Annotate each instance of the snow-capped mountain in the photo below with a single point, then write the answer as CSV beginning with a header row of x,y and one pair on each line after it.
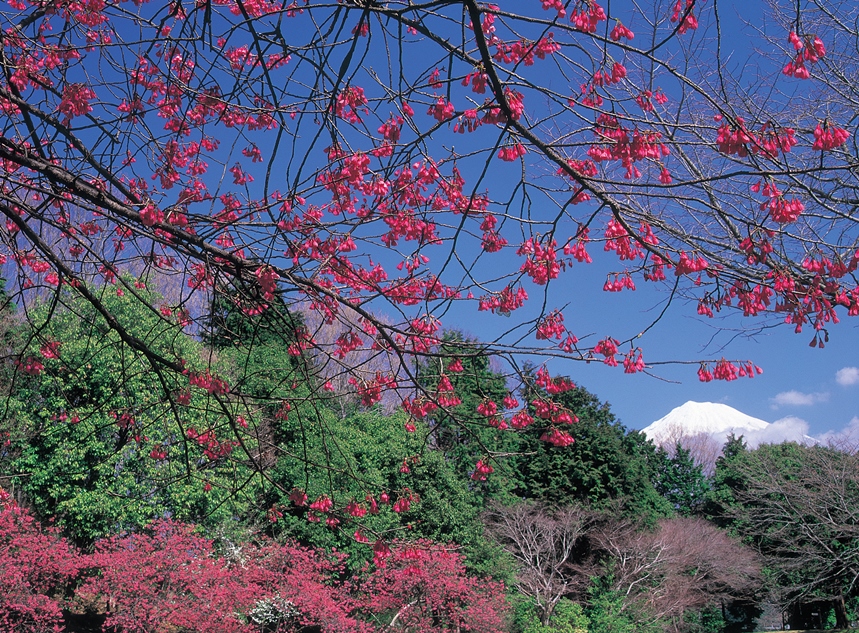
x,y
710,418
703,427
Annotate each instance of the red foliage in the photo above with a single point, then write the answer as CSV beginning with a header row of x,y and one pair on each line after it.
x,y
166,577
171,577
35,565
425,587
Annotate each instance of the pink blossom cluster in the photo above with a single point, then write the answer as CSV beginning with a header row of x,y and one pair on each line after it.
x,y
828,137
689,21
807,49
587,15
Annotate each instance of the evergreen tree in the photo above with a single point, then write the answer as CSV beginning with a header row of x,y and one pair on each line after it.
x,y
681,481
606,464
236,321
474,383
727,480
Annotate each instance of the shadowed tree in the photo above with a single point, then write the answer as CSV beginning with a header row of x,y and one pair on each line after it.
x,y
681,481
799,505
605,464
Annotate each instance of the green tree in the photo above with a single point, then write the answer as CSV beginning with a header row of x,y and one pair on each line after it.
x,y
101,441
567,617
608,611
798,506
352,461
606,463
461,432
727,480
355,460
681,481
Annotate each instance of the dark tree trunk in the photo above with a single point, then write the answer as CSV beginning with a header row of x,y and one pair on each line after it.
x,y
840,612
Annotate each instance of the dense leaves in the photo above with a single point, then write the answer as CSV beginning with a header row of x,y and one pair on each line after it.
x,y
606,463
681,481
798,506
101,453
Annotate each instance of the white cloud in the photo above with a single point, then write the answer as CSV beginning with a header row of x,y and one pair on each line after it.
x,y
797,399
848,436
847,376
788,429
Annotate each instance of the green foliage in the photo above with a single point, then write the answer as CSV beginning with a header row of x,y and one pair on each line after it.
x,y
726,480
227,325
608,611
84,433
348,459
681,481
605,609
604,465
465,436
707,620
567,617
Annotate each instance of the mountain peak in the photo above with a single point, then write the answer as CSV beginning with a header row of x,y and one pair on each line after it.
x,y
710,418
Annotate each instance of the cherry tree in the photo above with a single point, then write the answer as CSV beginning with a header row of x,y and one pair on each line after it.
x,y
415,160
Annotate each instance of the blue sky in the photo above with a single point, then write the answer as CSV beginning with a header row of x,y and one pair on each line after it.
x,y
819,387
812,390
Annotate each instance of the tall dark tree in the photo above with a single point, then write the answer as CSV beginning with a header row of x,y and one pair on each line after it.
x,y
234,320
726,482
799,505
606,463
472,427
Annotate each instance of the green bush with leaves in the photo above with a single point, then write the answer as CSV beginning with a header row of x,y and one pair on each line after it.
x,y
351,460
101,440
608,611
567,617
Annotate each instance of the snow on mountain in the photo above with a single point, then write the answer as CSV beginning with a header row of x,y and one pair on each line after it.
x,y
711,423
703,417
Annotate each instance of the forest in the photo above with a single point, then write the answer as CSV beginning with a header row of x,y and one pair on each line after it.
x,y
244,246
117,514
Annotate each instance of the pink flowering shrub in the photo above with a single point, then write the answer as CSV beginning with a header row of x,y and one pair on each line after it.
x,y
169,579
36,565
423,587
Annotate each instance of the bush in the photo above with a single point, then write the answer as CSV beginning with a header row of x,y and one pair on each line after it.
x,y
567,617
168,578
36,568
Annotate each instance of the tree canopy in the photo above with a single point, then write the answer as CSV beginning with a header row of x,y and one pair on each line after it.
x,y
236,231
798,506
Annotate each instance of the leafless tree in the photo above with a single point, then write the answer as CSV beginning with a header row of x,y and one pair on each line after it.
x,y
684,564
800,506
703,447
547,546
